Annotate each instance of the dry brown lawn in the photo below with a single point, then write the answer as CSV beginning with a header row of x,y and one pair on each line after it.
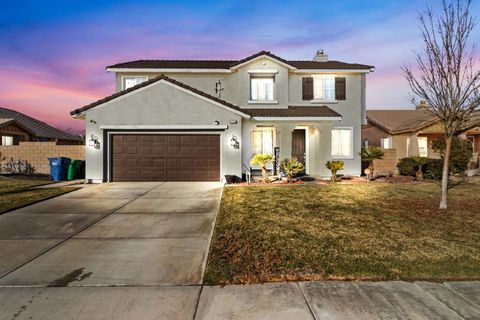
x,y
376,231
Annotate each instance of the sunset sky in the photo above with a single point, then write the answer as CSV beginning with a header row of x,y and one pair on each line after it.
x,y
53,54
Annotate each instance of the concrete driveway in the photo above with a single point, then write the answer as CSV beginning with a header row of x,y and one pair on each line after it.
x,y
117,234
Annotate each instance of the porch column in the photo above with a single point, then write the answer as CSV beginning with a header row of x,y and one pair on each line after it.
x,y
413,150
320,148
284,140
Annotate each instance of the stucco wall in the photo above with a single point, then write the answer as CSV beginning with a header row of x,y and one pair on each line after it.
x,y
161,104
37,153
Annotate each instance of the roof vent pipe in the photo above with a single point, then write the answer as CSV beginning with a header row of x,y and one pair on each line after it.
x,y
320,56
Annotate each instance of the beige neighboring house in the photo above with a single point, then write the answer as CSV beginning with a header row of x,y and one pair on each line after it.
x,y
194,120
16,127
26,139
411,132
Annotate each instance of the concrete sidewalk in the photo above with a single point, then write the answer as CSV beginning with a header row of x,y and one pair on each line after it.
x,y
304,300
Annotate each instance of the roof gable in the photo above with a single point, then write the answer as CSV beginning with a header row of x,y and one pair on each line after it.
x,y
184,87
262,55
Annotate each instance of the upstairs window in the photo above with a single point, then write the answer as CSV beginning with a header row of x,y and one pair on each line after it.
x,y
261,88
324,87
129,82
342,143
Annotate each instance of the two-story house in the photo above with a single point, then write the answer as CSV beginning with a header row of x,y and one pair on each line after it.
x,y
187,120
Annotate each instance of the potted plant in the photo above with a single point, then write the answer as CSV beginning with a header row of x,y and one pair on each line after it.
x,y
291,167
334,166
262,159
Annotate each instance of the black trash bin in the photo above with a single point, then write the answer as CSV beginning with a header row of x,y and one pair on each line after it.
x,y
59,168
230,178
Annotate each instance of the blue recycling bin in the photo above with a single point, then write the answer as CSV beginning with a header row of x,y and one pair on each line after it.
x,y
59,168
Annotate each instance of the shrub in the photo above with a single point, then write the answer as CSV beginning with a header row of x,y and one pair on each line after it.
x,y
18,167
262,159
369,154
460,156
291,167
431,168
407,167
334,166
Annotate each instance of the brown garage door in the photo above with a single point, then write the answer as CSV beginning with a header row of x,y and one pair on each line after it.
x,y
166,157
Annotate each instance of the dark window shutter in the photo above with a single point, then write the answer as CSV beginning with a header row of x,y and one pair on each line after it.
x,y
307,88
340,88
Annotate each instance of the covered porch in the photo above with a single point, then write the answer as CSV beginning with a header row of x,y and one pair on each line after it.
x,y
308,143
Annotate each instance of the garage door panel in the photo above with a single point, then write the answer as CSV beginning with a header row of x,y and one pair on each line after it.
x,y
172,151
169,157
131,149
131,138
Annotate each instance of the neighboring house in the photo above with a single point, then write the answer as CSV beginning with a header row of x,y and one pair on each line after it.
x,y
203,119
16,127
411,132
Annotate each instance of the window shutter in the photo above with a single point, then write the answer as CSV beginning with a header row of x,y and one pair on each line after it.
x,y
307,88
340,88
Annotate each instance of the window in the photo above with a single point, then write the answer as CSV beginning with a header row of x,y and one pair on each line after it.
x,y
342,143
386,143
261,89
7,141
423,146
262,140
324,87
129,82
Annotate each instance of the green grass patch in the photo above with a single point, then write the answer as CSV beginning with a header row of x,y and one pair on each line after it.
x,y
376,231
19,193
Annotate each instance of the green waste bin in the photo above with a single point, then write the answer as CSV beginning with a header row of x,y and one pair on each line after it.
x,y
75,170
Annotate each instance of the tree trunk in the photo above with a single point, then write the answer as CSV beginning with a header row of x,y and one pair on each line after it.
x,y
371,168
264,173
446,161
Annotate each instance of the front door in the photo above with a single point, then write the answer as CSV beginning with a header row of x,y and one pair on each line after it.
x,y
298,145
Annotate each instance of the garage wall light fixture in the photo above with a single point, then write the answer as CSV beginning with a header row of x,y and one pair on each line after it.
x,y
94,142
234,142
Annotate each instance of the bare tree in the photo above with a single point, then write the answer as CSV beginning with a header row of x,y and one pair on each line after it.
x,y
447,72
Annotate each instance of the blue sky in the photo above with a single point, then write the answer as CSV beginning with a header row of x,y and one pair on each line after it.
x,y
54,53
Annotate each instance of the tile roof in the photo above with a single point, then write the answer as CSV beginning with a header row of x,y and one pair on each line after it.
x,y
227,64
294,111
291,111
402,121
33,126
395,121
